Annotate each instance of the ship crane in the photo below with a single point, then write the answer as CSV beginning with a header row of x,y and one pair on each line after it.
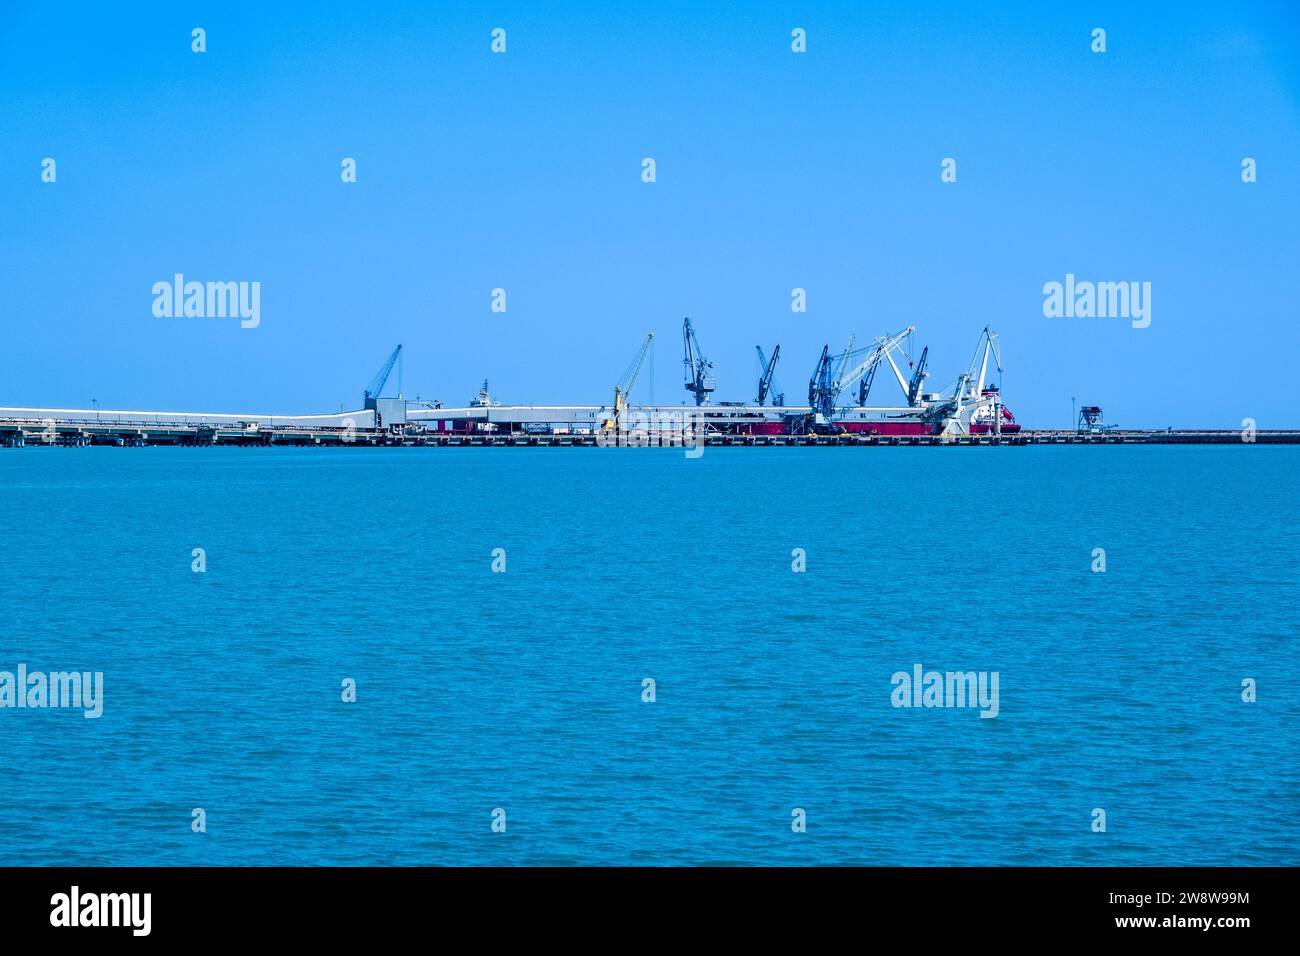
x,y
865,372
965,398
767,384
989,343
970,385
699,379
624,386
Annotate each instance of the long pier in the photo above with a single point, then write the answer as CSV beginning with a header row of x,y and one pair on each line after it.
x,y
17,433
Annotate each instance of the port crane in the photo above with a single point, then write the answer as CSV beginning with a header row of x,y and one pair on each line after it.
x,y
767,384
819,386
624,386
824,388
865,372
919,376
699,379
376,386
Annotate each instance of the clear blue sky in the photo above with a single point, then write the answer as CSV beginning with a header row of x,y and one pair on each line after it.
x,y
522,170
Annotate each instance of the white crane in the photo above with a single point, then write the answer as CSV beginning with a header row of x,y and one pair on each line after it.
x,y
884,345
989,343
965,398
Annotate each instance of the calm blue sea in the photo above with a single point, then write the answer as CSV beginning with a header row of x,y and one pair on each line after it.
x,y
523,690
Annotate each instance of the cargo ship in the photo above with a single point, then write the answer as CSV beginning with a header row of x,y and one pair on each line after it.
x,y
839,400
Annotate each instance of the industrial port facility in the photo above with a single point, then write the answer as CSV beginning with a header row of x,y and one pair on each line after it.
x,y
844,406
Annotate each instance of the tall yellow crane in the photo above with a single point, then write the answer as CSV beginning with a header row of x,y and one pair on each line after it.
x,y
624,386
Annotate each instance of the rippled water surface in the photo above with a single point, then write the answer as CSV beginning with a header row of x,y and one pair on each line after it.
x,y
523,690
